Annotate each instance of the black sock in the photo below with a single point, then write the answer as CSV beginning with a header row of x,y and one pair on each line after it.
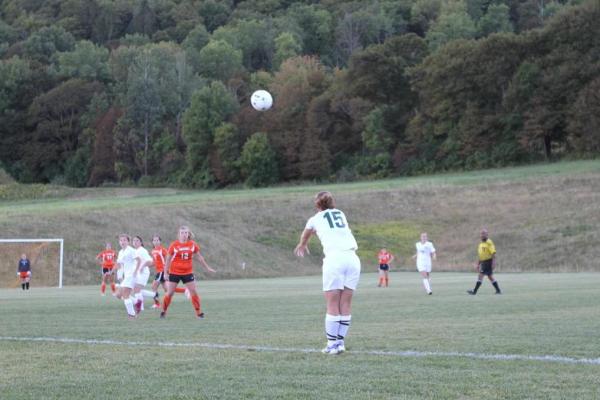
x,y
23,286
495,283
27,285
477,286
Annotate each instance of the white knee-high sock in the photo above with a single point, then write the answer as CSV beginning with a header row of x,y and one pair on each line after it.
x,y
332,326
344,326
129,306
427,285
148,293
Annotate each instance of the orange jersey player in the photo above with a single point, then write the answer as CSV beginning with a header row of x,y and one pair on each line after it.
x,y
159,254
107,258
179,268
385,258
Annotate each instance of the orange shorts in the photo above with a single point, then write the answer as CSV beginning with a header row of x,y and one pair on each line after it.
x,y
25,274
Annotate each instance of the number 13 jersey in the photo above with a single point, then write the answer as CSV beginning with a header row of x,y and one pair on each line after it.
x,y
332,229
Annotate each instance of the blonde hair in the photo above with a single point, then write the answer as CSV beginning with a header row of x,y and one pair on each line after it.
x,y
324,201
187,228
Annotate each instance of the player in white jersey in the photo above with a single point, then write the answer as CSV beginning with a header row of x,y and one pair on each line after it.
x,y
341,267
126,262
142,273
425,253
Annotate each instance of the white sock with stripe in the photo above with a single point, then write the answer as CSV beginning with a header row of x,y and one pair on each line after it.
x,y
344,326
332,326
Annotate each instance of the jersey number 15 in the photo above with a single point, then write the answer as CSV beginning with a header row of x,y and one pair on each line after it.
x,y
335,219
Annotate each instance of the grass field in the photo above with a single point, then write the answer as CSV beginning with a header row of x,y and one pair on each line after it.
x,y
274,327
540,217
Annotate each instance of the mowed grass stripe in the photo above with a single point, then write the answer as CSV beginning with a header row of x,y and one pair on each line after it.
x,y
400,353
97,199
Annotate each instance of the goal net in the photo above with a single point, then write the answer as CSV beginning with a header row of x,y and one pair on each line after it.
x,y
45,256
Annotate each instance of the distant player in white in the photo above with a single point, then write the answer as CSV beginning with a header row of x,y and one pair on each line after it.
x,y
425,253
127,263
143,260
341,267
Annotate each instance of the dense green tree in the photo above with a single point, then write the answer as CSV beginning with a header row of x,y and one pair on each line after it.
x,y
55,117
228,147
144,20
196,39
316,27
254,38
210,107
258,161
286,46
86,61
423,14
46,42
361,28
496,19
214,13
584,120
452,24
218,60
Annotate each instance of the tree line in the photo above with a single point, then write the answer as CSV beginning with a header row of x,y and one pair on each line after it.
x,y
156,92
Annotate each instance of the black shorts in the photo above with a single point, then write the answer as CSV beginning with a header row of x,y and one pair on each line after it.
x,y
160,277
485,267
384,267
183,278
106,271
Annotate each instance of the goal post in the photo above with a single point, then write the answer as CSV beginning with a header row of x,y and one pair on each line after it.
x,y
44,258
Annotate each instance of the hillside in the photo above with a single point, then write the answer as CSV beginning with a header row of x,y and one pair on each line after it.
x,y
541,218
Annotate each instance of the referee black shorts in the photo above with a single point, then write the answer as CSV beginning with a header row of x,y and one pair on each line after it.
x,y
485,267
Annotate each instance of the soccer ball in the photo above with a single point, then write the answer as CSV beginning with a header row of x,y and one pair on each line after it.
x,y
261,100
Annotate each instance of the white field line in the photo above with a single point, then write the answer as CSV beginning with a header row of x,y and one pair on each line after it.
x,y
407,353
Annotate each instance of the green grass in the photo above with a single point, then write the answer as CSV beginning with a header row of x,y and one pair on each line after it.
x,y
539,314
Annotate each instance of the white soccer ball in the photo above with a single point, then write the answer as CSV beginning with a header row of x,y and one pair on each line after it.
x,y
261,100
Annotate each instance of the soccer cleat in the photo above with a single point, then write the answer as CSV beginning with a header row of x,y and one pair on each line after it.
x,y
155,306
430,293
162,314
131,317
331,349
470,291
201,315
498,292
341,347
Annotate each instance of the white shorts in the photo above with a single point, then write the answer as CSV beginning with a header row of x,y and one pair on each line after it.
x,y
340,270
423,268
128,282
142,277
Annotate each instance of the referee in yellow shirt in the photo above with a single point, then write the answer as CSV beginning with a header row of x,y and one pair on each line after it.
x,y
486,262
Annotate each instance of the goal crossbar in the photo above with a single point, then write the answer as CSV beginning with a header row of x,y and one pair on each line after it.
x,y
60,241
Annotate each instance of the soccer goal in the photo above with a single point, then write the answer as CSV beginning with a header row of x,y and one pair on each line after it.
x,y
45,255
